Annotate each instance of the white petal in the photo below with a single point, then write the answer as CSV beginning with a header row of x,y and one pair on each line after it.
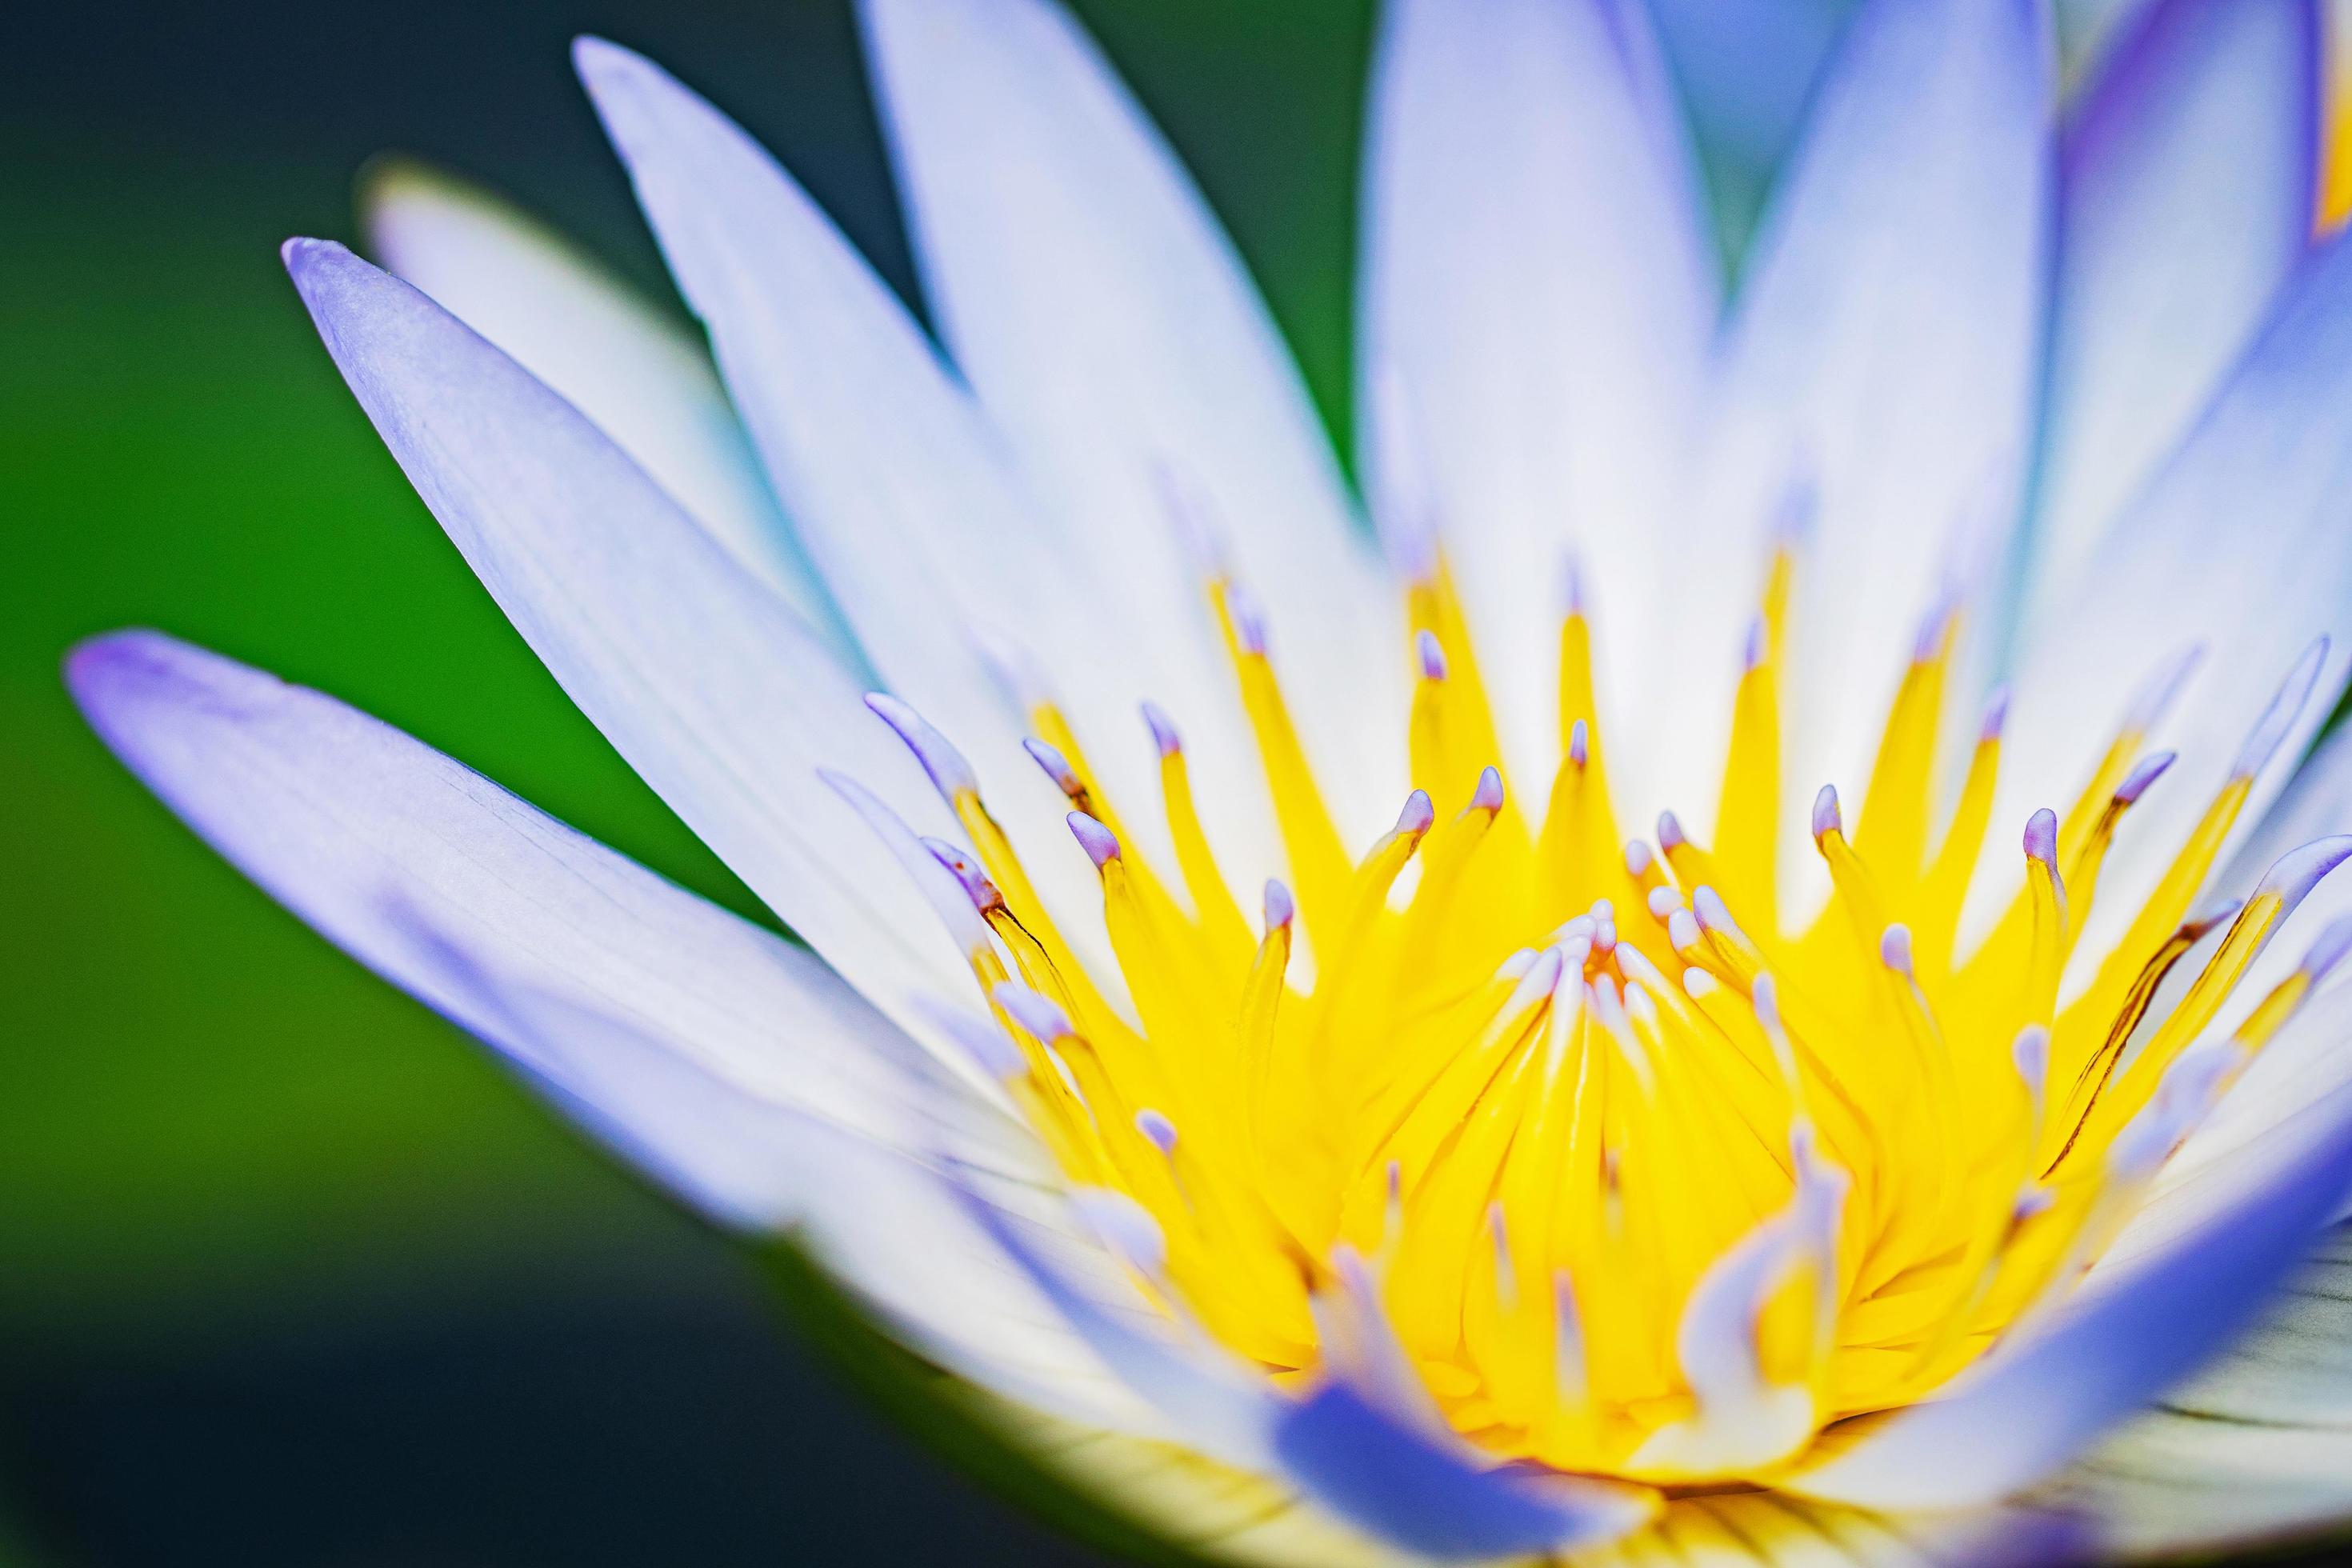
x,y
2256,1448
568,322
2178,1285
1886,342
903,497
731,1064
700,678
2237,543
1540,290
2185,199
1096,309
368,834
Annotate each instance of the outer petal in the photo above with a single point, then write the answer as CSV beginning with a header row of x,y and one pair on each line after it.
x,y
2186,193
1886,344
2237,543
2173,1291
1099,311
2258,1447
1539,295
935,555
700,678
577,328
733,1066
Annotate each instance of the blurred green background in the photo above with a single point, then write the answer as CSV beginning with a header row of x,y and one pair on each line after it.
x,y
288,1272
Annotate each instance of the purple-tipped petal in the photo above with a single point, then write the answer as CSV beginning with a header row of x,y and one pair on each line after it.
x,y
2298,871
2162,688
1713,913
1417,816
2137,781
2029,1054
1488,795
1671,835
942,764
1827,818
1100,844
2328,949
942,887
1157,1130
2041,839
1280,907
1408,517
985,896
1996,715
1124,1228
1163,729
1431,654
2271,730
1580,744
1033,1011
1894,949
1682,929
990,1047
1056,766
1249,620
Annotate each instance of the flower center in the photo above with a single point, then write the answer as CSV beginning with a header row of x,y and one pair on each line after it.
x,y
1628,1176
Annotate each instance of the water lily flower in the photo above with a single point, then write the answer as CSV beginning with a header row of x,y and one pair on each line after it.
x,y
1938,1163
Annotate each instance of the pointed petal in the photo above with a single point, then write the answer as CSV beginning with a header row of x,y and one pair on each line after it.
x,y
2172,1292
731,1065
2185,195
2238,543
369,835
575,327
1099,311
1538,299
936,554
1887,341
708,686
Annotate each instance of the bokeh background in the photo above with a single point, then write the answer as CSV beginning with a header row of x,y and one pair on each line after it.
x,y
288,1272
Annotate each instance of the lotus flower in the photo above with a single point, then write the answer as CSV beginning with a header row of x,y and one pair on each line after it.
x,y
1938,1165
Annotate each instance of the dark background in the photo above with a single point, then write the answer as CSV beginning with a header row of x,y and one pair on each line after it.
x,y
288,1272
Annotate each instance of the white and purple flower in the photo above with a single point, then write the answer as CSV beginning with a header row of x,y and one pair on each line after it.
x,y
1903,1177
